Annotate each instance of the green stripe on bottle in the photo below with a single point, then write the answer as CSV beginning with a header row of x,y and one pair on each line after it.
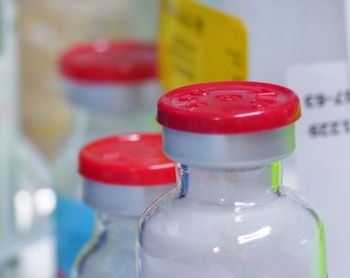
x,y
323,251
276,175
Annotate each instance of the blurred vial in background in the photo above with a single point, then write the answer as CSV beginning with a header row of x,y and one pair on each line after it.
x,y
112,87
123,175
46,28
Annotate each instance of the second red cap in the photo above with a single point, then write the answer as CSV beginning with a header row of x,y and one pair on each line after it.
x,y
130,159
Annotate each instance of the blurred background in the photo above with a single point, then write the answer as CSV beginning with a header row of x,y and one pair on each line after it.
x,y
301,44
35,120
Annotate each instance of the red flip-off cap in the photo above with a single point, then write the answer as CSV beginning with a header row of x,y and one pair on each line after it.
x,y
106,61
129,159
228,108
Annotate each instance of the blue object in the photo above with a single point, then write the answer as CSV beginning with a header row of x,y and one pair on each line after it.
x,y
75,226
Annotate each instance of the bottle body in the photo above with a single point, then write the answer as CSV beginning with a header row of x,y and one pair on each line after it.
x,y
228,223
112,251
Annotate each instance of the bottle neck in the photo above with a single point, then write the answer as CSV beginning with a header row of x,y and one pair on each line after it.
x,y
117,227
96,124
93,124
239,187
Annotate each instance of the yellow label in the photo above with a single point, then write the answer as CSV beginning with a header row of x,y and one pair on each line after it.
x,y
200,44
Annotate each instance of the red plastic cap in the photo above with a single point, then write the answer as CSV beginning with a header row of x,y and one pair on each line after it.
x,y
130,159
228,107
110,62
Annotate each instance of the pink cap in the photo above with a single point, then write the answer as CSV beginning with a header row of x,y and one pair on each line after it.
x,y
129,159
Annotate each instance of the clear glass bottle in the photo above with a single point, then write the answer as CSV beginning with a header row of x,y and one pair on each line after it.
x,y
112,88
122,177
230,215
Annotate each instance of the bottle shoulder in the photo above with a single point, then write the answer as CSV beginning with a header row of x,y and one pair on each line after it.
x,y
286,203
284,217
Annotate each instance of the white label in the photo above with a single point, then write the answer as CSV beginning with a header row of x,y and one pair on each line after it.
x,y
322,156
